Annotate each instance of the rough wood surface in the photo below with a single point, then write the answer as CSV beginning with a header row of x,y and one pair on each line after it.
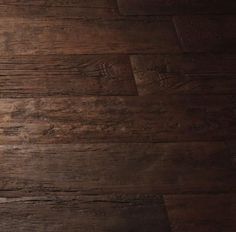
x,y
206,33
185,74
72,75
84,213
42,36
170,7
117,161
117,119
91,9
201,213
127,168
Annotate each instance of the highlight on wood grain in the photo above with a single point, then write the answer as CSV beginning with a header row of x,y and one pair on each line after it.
x,y
117,119
66,75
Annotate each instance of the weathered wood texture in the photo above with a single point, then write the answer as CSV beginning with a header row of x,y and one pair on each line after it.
x,y
115,161
41,36
201,213
185,74
207,33
91,9
83,213
117,119
127,168
72,75
170,7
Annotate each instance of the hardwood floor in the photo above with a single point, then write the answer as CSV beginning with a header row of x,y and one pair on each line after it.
x,y
117,115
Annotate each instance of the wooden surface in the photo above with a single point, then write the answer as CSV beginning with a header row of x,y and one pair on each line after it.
x,y
117,115
169,7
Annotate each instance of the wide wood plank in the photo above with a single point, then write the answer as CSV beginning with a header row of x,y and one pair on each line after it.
x,y
71,75
185,74
41,36
206,33
117,119
91,9
122,168
83,213
201,213
170,7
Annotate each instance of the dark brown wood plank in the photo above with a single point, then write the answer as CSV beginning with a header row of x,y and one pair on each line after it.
x,y
42,36
91,9
185,74
117,119
83,213
170,7
121,168
71,75
201,213
206,33
61,3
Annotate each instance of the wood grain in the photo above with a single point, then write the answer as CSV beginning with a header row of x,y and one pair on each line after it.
x,y
201,213
64,9
117,119
170,7
185,74
121,168
206,33
71,75
23,36
83,213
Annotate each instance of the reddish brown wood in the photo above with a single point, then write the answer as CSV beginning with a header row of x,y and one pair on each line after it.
x,y
70,75
64,9
83,213
85,36
104,163
117,119
185,74
121,168
201,213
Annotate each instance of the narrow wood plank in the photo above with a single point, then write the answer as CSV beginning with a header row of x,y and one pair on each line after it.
x,y
61,3
207,33
117,119
41,36
121,168
84,213
170,7
201,213
91,9
185,74
71,75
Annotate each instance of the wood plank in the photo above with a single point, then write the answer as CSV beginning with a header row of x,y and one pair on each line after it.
x,y
185,74
91,9
84,213
61,3
206,33
41,36
170,7
117,119
71,75
98,168
201,213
